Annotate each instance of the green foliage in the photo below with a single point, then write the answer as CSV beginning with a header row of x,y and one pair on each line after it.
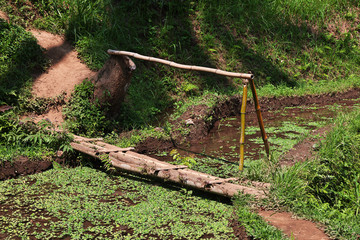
x,y
29,139
83,113
82,203
292,47
147,97
20,55
181,160
337,177
283,42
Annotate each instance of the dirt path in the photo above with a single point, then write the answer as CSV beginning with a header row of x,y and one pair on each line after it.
x,y
65,72
292,227
66,69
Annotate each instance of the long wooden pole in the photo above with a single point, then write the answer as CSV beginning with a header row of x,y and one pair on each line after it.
x,y
181,66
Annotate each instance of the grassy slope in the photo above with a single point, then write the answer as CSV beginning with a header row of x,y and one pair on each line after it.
x,y
292,47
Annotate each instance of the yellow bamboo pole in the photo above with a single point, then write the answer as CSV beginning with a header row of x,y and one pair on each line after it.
x,y
242,130
260,120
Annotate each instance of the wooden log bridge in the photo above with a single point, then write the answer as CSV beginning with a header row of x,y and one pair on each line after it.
x,y
126,160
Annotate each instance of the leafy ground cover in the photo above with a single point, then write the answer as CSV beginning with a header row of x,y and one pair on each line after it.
x,y
83,203
27,139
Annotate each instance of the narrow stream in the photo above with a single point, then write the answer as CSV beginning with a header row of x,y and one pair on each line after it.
x,y
284,129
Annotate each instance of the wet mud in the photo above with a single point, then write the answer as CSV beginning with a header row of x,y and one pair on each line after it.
x,y
24,166
284,118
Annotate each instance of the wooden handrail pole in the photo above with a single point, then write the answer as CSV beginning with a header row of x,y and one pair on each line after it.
x,y
182,66
242,130
259,117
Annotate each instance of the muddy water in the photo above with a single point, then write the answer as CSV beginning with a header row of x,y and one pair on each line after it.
x,y
284,129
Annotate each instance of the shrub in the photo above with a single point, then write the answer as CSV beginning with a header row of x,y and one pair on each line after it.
x,y
83,113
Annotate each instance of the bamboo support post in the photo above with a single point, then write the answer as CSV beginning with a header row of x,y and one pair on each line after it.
x,y
242,130
260,120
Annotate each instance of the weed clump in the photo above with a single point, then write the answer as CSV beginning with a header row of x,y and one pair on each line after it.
x,y
83,113
35,141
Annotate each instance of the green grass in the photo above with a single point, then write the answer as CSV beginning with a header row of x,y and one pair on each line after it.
x,y
20,56
326,189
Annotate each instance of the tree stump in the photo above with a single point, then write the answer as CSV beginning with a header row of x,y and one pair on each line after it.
x,y
112,81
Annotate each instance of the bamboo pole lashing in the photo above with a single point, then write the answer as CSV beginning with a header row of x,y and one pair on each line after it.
x,y
242,129
181,66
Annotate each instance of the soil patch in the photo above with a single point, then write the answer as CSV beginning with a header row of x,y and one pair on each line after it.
x,y
305,149
66,69
239,230
297,228
24,166
4,16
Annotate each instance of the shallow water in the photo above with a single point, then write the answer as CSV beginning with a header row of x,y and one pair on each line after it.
x,y
284,129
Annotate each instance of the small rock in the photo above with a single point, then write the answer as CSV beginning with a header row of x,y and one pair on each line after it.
x,y
315,147
189,122
59,153
159,129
